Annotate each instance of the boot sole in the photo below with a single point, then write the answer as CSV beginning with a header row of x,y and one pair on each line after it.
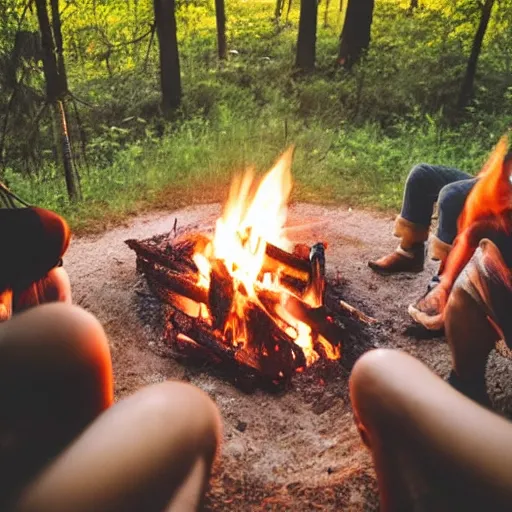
x,y
384,272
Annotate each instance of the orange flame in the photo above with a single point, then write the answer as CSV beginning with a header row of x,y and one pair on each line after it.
x,y
488,208
254,215
491,196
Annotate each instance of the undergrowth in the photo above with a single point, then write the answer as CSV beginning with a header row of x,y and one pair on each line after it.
x,y
357,135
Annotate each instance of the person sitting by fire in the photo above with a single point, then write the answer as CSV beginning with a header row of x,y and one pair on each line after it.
x,y
34,241
433,448
450,188
64,444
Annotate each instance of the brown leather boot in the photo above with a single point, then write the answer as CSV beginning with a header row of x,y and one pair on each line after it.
x,y
400,260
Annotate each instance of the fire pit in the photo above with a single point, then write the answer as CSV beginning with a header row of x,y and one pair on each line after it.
x,y
242,294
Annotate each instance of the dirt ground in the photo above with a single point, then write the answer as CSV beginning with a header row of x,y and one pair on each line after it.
x,y
297,450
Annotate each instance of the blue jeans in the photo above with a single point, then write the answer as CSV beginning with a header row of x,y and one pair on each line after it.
x,y
428,184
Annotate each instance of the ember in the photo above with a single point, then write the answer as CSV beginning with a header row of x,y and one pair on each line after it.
x,y
244,294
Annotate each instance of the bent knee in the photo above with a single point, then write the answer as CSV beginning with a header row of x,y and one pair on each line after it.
x,y
377,382
185,410
371,370
452,198
56,229
59,334
75,328
419,174
56,287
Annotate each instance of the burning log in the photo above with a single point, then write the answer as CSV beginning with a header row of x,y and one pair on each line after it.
x,y
281,357
315,291
172,279
210,345
241,300
289,264
220,293
178,283
317,318
170,260
180,257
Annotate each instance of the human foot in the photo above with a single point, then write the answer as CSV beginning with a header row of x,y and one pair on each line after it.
x,y
428,311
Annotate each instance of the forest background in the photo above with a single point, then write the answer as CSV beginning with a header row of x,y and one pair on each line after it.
x,y
109,108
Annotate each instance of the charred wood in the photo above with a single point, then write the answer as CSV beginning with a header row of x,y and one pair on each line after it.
x,y
315,291
294,266
220,293
318,319
280,357
175,282
170,260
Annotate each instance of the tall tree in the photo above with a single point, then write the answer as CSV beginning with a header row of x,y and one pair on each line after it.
x,y
355,36
220,14
306,42
170,79
57,90
466,90
340,10
326,13
279,9
290,3
59,50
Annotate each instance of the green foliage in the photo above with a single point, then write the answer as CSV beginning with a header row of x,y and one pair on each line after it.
x,y
357,133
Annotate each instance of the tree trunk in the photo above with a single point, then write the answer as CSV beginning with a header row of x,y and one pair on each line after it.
x,y
413,5
64,149
220,14
56,90
326,13
290,2
466,90
340,11
279,9
355,36
59,50
306,43
170,79
50,69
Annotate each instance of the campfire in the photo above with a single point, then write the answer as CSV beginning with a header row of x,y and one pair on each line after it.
x,y
243,294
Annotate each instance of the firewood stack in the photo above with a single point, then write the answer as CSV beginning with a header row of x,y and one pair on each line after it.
x,y
199,317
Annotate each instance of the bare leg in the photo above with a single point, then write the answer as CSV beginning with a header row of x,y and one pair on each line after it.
x,y
471,338
477,315
56,287
53,287
55,378
433,448
148,452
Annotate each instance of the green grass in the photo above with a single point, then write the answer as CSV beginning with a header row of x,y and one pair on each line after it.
x,y
357,135
359,166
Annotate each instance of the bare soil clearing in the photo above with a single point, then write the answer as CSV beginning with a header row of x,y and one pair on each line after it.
x,y
298,450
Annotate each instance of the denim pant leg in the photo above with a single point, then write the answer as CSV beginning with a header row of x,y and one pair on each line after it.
x,y
422,189
450,205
